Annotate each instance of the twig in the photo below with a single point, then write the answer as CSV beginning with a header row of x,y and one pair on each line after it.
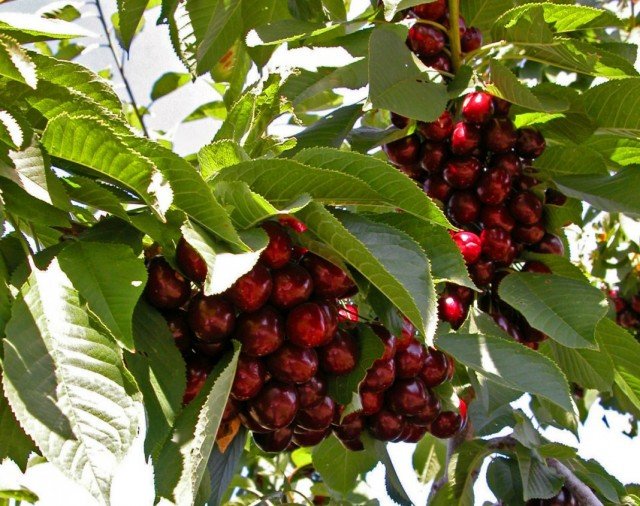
x,y
454,33
583,494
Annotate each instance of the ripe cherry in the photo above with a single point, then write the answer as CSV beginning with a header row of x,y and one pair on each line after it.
x,y
317,417
531,143
469,245
251,291
211,349
231,410
425,40
386,425
627,320
293,363
275,406
371,401
261,332
429,412
179,328
471,40
409,357
482,272
348,313
437,188
197,371
451,310
501,107
350,427
554,197
433,10
462,293
309,325
435,368
500,135
329,280
525,182
311,392
407,397
274,442
433,154
166,288
413,433
190,261
494,186
635,303
529,234
211,318
388,339
411,171
439,62
526,208
477,107
380,375
249,422
509,161
292,285
462,25
463,207
340,356
278,252
354,445
405,151
399,121
537,267
497,216
550,244
304,437
446,425
438,130
461,173
496,244
251,375
465,138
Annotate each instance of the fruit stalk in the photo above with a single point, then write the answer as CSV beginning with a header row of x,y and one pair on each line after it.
x,y
454,34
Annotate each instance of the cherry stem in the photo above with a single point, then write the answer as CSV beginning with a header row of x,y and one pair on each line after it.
x,y
454,34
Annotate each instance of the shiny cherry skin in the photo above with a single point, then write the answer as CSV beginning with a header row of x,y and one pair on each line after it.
x,y
251,375
496,243
311,392
388,339
330,310
413,433
411,171
497,216
380,375
211,349
461,173
451,310
525,182
529,234
293,363
482,272
386,425
433,154
292,285
550,244
554,197
350,427
371,401
277,254
462,293
429,412
306,438
462,25
399,121
231,410
463,207
190,261
501,107
340,356
198,370
354,445
526,208
251,291
447,424
317,417
348,313
465,138
274,442
409,357
405,151
179,328
508,161
494,186
308,325
477,107
435,369
471,40
437,188
531,143
536,267
166,288
438,130
439,62
275,406
433,10
407,397
329,280
425,40
261,332
500,135
469,245
211,318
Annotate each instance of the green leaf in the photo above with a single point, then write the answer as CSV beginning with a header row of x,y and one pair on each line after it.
x,y
483,13
538,480
466,463
130,15
560,266
31,209
94,194
14,443
31,28
620,150
14,132
392,482
504,480
111,298
587,368
494,357
168,82
396,82
392,7
429,458
330,130
81,415
613,106
15,62
214,110
571,160
219,155
549,304
224,466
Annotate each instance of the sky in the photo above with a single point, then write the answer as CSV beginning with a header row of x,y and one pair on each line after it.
x,y
151,55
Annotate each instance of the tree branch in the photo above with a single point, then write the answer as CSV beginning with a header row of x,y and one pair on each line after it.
x,y
583,494
454,34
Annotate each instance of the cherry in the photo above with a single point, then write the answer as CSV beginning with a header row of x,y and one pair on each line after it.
x,y
278,252
461,173
330,311
451,310
425,40
292,285
437,188
532,335
275,406
261,332
371,401
340,356
293,363
509,161
231,410
554,197
435,368
535,266
463,207
526,208
249,422
329,280
550,244
627,319
446,425
303,437
482,272
166,288
438,130
413,433
433,10
350,427
514,251
251,375
198,370
501,107
471,40
409,357
411,171
251,291
465,138
311,392
496,243
500,135
531,143
469,245
477,107
348,313
179,328
407,397
635,303
211,318
462,293
274,442
497,216
380,375
433,154
388,339
408,330
317,417
355,445
494,186
386,425
190,261
309,325
462,25
439,62
212,349
529,234
429,412
405,151
399,121
525,182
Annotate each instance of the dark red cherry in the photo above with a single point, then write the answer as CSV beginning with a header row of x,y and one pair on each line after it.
x,y
531,143
425,40
350,427
329,280
554,197
508,161
340,356
249,422
500,135
463,207
497,216
451,310
371,401
304,437
190,261
274,442
433,10
198,370
438,130
526,208
440,62
550,244
413,433
627,320
411,171
407,397
461,173
437,188
386,425
447,424
494,186
275,406
211,318
537,267
435,369
465,138
330,310
469,245
501,107
509,327
317,417
514,251
477,107
482,272
348,313
405,151
166,288
380,375
354,445
311,392
524,183
529,234
399,121
429,412
278,252
462,25
261,332
179,328
433,154
471,40
462,293
251,291
292,285
496,244
250,377
388,339
293,363
635,303
211,349
308,325
409,357
231,410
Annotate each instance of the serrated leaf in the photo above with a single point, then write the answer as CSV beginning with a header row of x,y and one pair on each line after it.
x,y
15,62
214,110
560,266
392,7
330,130
465,464
14,443
587,368
620,150
31,28
168,82
483,13
92,193
82,415
224,466
504,480
219,155
570,160
548,303
429,458
11,131
538,480
613,106
20,203
393,484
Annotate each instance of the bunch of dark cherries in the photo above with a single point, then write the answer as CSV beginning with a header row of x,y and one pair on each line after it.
x,y
627,311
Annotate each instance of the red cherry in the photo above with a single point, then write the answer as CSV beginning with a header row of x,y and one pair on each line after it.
x,y
438,130
471,40
411,171
386,425
409,357
627,320
198,370
482,272
509,161
469,245
330,310
462,293
166,288
292,285
275,406
433,10
407,397
529,234
251,291
425,40
429,412
340,356
524,183
437,188
526,208
317,417
311,392
435,369
433,154
554,197
399,121
350,427
231,410
465,138
371,401
446,425
190,261
309,325
278,252
388,339
550,244
531,143
503,322
635,303
405,151
440,62
462,25
461,173
501,107
260,333
211,349
249,422
329,280
408,330
354,445
494,186
451,310
250,377
496,243
500,135
463,207
303,437
274,442
497,216
514,251
380,375
179,328
477,107
293,363
211,318
348,313
538,267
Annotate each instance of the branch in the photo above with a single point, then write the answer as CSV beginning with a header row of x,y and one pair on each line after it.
x,y
454,33
583,494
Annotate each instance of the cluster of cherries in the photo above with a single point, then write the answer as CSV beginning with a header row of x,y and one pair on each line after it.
x,y
297,329
627,310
